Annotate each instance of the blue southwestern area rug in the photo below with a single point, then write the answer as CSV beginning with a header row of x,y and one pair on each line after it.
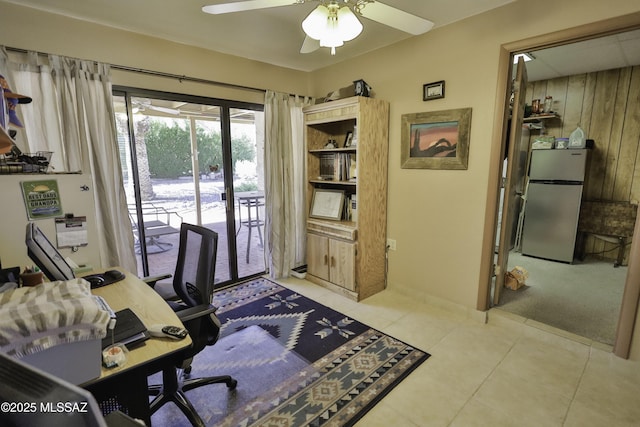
x,y
297,362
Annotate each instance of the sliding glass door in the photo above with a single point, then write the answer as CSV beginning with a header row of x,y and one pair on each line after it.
x,y
191,159
247,132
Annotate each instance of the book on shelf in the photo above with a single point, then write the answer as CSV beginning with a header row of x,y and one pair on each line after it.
x,y
352,167
350,208
346,209
345,167
353,204
338,167
326,166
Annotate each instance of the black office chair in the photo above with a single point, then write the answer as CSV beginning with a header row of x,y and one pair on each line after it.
x,y
193,285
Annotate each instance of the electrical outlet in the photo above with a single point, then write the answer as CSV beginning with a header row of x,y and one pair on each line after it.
x,y
391,243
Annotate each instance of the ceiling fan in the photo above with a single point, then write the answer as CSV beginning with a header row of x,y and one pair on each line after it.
x,y
334,21
144,104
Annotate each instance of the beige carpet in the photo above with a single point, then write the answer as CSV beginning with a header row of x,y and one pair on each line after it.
x,y
582,298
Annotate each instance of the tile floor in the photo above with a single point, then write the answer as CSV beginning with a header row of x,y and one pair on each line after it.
x,y
507,372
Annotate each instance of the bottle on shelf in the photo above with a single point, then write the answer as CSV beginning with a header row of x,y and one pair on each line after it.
x,y
548,104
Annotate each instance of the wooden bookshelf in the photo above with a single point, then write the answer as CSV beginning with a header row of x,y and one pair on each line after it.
x,y
348,255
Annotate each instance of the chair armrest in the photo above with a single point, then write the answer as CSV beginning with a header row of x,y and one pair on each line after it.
x,y
160,213
196,312
176,214
152,280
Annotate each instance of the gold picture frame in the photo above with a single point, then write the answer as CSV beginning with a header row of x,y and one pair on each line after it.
x,y
436,140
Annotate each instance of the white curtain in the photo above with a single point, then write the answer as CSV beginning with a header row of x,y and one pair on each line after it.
x,y
72,116
285,182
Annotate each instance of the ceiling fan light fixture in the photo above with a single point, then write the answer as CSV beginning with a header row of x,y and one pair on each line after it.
x,y
349,26
331,42
315,24
332,25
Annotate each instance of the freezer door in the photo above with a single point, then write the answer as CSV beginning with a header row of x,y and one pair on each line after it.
x,y
551,221
558,165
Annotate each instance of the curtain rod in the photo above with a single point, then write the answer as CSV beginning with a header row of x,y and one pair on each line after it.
x,y
161,74
182,78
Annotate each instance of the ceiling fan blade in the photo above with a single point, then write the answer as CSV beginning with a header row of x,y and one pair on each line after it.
x,y
241,6
396,18
309,45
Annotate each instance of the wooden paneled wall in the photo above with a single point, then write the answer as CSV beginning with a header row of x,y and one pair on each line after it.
x,y
606,105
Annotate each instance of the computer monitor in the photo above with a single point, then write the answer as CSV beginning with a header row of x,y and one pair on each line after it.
x,y
46,256
32,397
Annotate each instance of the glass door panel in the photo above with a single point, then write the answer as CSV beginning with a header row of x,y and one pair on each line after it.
x,y
175,172
211,185
247,155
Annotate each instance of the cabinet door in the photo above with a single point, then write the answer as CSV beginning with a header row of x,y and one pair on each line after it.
x,y
318,256
342,262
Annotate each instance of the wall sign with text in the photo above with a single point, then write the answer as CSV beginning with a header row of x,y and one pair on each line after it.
x,y
42,198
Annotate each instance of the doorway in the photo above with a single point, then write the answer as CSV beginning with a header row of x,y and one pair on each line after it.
x,y
187,159
574,310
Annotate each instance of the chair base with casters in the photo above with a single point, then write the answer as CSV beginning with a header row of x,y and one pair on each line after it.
x,y
175,381
173,388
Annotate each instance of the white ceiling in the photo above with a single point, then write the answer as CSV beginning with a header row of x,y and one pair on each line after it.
x,y
604,53
275,35
271,35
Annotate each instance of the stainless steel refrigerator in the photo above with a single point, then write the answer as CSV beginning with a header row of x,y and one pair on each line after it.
x,y
554,194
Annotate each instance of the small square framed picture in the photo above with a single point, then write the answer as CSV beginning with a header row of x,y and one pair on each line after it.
x,y
433,90
327,204
348,139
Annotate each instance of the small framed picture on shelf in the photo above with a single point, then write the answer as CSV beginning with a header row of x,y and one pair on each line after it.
x,y
354,136
327,204
348,139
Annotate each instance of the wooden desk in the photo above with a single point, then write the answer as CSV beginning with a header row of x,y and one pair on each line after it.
x,y
129,382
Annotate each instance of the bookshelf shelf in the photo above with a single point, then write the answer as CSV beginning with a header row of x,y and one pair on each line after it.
x,y
334,150
332,182
347,255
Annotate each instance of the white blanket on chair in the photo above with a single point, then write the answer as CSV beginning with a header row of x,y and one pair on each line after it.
x,y
33,319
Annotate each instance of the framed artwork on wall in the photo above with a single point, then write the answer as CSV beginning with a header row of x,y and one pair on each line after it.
x,y
436,140
433,90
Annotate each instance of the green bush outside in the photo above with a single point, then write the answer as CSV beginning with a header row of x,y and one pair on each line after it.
x,y
246,186
169,150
